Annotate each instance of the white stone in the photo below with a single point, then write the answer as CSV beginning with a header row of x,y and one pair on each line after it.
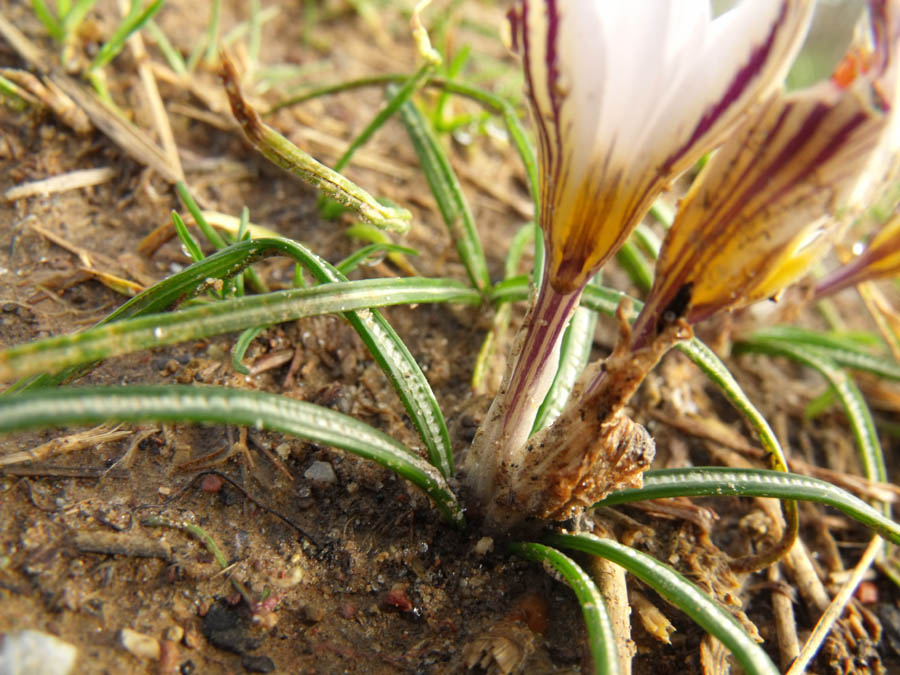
x,y
321,472
30,651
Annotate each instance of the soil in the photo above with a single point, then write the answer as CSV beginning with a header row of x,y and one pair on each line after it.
x,y
350,570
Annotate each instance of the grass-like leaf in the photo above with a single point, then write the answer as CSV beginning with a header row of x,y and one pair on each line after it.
x,y
717,482
240,348
858,413
677,590
845,351
288,156
46,17
635,264
199,404
574,353
76,14
496,104
133,21
131,335
382,341
448,194
601,638
187,240
397,98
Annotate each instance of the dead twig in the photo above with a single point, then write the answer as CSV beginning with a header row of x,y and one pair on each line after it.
x,y
72,180
72,443
785,622
131,545
836,608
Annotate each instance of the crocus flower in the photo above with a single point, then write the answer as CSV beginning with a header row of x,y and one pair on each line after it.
x,y
623,96
768,204
626,95
759,212
879,259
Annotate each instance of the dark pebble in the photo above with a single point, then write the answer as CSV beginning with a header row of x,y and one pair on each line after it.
x,y
225,628
257,664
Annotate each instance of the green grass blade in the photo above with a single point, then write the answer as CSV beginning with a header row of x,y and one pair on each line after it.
x,y
208,230
161,296
212,34
173,56
131,335
212,235
203,404
131,23
376,251
677,590
845,351
663,213
449,195
712,365
647,239
76,15
716,482
601,638
240,348
190,244
400,367
635,265
855,407
386,347
574,353
14,96
397,98
46,17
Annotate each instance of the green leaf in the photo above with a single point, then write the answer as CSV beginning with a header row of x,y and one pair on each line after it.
x,y
674,588
45,15
635,265
190,244
240,348
574,353
131,23
448,194
716,482
398,97
855,407
601,638
846,351
204,404
131,335
386,347
280,151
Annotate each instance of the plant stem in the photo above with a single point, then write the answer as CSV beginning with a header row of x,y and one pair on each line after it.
x,y
529,374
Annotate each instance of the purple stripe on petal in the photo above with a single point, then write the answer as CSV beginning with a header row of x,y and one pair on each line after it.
x,y
758,59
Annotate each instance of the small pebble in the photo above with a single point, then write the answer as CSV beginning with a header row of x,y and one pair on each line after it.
x,y
321,472
142,646
174,633
484,545
191,638
283,450
168,657
31,651
211,483
257,664
397,599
